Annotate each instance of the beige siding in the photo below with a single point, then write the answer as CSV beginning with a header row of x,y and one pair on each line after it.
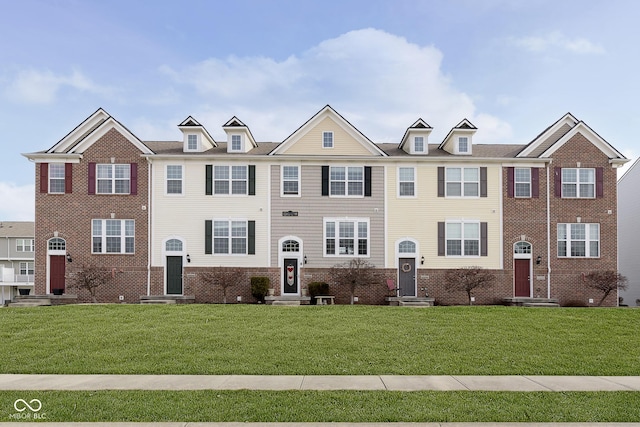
x,y
344,144
184,215
417,218
312,208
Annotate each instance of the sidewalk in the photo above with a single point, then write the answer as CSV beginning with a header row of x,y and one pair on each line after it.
x,y
319,382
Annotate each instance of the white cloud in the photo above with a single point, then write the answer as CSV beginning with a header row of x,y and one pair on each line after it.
x,y
41,86
16,202
557,40
380,82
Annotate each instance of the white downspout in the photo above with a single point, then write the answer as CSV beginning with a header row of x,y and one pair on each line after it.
x,y
548,233
149,233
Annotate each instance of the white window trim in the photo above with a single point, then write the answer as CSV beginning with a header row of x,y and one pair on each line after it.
x,y
50,178
229,238
166,181
459,142
356,237
415,182
577,183
282,180
29,247
587,240
346,181
26,264
424,145
113,178
237,150
197,142
332,139
230,181
123,237
462,182
462,238
516,182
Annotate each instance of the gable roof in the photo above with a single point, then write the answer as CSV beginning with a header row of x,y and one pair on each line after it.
x,y
235,123
464,126
191,123
17,229
419,125
90,130
549,136
325,112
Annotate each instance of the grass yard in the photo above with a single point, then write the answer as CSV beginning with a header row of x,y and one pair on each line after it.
x,y
353,340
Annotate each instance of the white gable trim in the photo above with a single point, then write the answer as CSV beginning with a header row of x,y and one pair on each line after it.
x,y
588,133
567,119
425,129
455,130
101,130
76,134
327,111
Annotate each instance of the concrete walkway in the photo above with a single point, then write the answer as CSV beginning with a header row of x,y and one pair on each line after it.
x,y
319,382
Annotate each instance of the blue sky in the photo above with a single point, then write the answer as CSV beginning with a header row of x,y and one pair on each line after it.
x,y
510,67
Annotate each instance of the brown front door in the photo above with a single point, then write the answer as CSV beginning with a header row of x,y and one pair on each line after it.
x,y
56,271
523,283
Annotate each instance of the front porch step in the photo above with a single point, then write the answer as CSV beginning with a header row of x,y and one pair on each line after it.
x,y
287,300
30,301
410,301
531,302
167,299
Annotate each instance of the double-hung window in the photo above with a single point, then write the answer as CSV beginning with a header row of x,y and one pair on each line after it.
x,y
463,182
174,179
229,237
113,179
24,245
236,142
192,142
346,237
418,144
26,268
463,238
346,180
578,182
230,180
56,178
113,236
327,139
579,240
463,144
406,182
522,182
290,181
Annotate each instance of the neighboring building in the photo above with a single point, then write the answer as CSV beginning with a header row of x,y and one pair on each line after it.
x,y
157,214
16,259
628,213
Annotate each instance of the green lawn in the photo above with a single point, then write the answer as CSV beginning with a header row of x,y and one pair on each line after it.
x,y
254,339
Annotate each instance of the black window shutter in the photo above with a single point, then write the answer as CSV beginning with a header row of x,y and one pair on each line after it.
x,y
251,237
252,180
367,181
510,181
483,239
599,183
535,183
483,181
325,180
208,186
440,181
441,239
208,236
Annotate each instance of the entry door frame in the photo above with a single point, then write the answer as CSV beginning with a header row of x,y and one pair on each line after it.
x,y
407,248
167,270
173,253
61,251
287,254
407,267
528,256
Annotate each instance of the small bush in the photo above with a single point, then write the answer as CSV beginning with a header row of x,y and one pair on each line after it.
x,y
318,288
259,287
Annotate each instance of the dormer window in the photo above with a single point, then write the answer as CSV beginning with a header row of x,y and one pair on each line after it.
x,y
236,143
418,144
192,142
463,144
327,139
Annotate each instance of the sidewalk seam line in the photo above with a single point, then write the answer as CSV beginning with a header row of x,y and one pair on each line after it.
x,y
536,382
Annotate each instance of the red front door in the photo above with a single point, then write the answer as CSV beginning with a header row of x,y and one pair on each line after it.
x,y
522,285
56,272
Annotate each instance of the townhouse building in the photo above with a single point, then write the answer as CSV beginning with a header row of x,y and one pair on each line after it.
x,y
157,214
16,259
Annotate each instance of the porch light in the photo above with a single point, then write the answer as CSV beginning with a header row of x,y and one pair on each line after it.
x,y
69,257
538,260
188,258
305,259
422,260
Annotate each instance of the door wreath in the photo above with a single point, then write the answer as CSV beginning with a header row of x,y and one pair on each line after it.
x,y
406,267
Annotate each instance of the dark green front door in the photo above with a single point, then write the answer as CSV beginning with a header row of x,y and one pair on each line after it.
x,y
174,275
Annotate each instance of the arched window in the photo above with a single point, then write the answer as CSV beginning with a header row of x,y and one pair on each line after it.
x,y
407,247
290,246
522,248
57,244
173,245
